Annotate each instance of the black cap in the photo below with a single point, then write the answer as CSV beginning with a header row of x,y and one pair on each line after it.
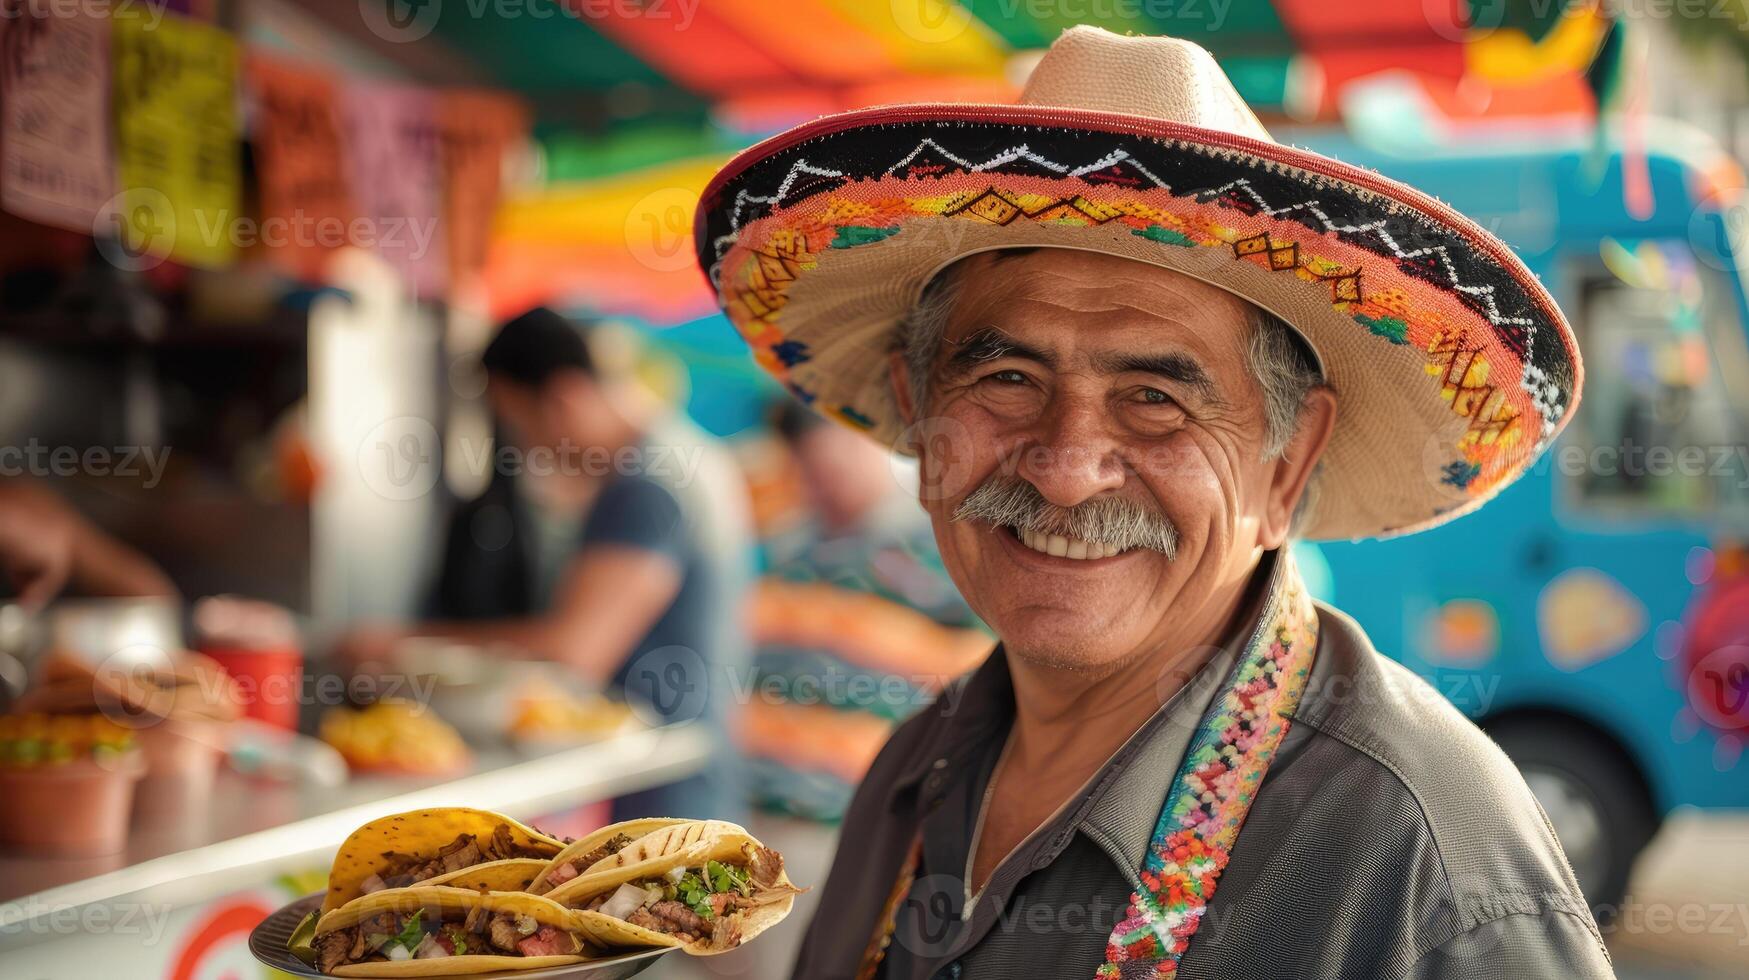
x,y
533,347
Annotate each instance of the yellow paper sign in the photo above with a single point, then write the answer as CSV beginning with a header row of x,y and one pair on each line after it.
x,y
176,140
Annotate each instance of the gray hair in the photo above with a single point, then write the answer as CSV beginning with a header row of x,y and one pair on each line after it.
x,y
1281,361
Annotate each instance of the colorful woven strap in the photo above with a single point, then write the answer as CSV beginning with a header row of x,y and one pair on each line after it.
x,y
1214,789
1234,744
883,937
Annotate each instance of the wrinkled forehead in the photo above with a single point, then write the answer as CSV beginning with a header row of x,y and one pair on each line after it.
x,y
1057,296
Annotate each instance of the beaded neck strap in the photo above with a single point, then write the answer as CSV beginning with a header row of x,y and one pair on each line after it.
x,y
1214,789
1232,749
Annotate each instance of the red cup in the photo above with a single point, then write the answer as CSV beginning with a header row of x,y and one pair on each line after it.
x,y
267,680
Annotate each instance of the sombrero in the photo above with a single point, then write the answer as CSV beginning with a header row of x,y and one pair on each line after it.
x,y
1453,367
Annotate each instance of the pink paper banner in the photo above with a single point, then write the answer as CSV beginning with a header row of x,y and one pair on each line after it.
x,y
54,131
393,162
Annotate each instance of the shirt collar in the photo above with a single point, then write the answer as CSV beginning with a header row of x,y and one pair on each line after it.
x,y
973,709
1123,802
1124,806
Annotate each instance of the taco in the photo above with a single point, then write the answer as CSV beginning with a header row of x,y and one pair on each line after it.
x,y
587,851
508,875
704,886
435,930
423,846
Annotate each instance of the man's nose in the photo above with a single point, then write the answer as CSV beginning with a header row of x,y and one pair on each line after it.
x,y
1074,458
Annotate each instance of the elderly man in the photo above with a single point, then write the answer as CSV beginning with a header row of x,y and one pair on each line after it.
x,y
1128,335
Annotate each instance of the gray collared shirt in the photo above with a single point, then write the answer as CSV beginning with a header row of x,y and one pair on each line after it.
x,y
1391,839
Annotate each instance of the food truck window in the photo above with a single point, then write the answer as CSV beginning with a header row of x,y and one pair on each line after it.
x,y
1663,423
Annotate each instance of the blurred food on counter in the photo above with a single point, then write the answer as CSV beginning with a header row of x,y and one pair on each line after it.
x,y
395,737
179,707
68,782
185,686
548,716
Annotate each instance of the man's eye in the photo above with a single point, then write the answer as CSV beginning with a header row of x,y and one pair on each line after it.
x,y
1008,377
1154,396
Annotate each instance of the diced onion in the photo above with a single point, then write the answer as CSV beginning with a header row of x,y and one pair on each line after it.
x,y
397,952
674,874
374,883
430,949
628,898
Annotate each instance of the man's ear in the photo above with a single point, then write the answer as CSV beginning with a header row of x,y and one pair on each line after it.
x,y
899,376
1293,469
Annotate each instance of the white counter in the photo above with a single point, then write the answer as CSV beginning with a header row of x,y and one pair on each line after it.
x,y
256,831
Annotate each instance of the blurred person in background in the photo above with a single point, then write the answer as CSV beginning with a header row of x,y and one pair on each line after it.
x,y
612,539
863,529
856,626
46,547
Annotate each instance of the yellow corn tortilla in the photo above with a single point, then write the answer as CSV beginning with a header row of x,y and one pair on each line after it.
x,y
685,842
447,899
508,875
418,832
631,828
689,844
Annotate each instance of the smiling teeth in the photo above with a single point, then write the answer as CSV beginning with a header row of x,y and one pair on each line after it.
x,y
1061,547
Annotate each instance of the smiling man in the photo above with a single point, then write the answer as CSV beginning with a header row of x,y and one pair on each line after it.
x,y
1138,347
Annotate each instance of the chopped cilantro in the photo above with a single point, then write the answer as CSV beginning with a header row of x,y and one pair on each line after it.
x,y
725,878
695,894
412,932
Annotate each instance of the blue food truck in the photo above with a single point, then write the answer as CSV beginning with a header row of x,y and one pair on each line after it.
x,y
1595,617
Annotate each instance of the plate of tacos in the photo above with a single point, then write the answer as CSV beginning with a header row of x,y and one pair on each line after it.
x,y
456,891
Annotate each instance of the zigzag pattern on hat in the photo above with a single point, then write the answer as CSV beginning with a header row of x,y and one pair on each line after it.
x,y
803,179
1544,396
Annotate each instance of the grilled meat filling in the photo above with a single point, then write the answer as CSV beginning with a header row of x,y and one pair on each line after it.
x,y
465,851
388,936
613,846
700,903
577,865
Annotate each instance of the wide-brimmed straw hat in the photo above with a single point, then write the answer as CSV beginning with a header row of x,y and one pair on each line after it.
x,y
1452,365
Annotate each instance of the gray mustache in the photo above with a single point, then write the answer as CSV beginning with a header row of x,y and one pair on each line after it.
x,y
1116,522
